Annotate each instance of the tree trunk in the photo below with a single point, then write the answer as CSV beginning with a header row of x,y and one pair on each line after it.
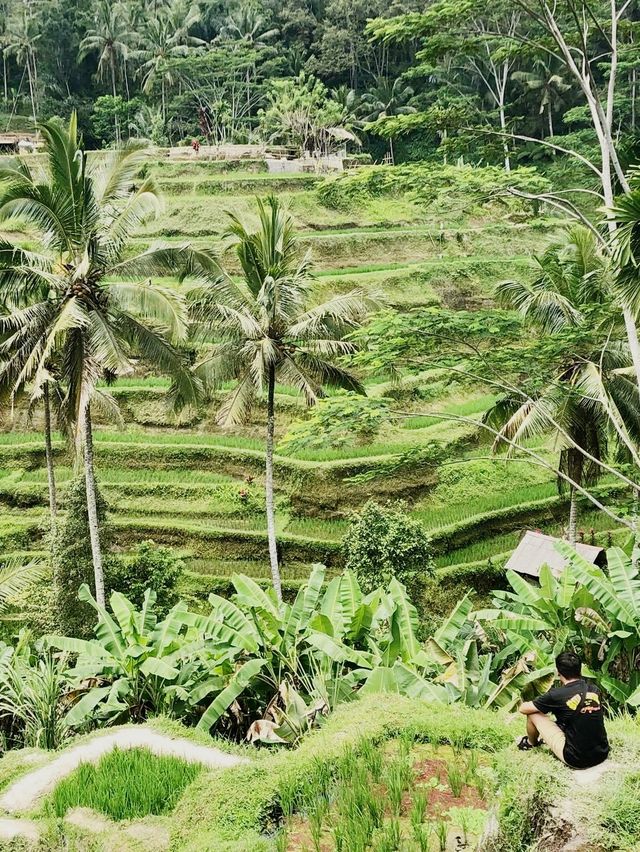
x,y
271,515
51,479
505,144
573,517
550,119
635,553
92,509
115,106
393,159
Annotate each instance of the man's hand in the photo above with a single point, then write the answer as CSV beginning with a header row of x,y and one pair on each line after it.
x,y
527,708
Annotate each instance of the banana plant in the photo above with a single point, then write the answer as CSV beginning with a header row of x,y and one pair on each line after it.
x,y
594,611
137,665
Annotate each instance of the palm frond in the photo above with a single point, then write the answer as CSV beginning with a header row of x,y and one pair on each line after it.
x,y
16,576
163,306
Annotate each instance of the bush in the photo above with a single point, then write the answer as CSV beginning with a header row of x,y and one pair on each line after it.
x,y
382,543
150,566
429,183
72,560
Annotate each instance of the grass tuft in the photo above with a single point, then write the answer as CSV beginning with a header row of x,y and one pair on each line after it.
x,y
126,784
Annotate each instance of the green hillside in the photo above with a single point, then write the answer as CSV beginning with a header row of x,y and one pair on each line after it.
x,y
187,483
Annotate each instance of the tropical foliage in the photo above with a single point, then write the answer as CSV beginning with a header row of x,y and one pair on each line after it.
x,y
593,611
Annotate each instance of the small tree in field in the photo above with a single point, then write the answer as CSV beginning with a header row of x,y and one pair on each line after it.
x,y
383,542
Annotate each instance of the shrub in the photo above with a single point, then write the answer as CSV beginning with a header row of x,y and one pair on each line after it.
x,y
431,183
72,560
150,566
125,785
384,542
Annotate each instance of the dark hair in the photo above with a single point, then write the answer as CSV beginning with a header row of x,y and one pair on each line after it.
x,y
568,664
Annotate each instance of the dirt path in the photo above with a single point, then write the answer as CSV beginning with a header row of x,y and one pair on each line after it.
x,y
24,793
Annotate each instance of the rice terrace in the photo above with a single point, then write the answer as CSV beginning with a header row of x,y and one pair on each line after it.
x,y
319,426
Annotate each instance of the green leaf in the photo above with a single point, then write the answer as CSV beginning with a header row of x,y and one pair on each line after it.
x,y
106,630
337,651
526,591
90,648
229,624
449,630
159,668
236,686
84,708
305,603
407,617
413,685
252,595
381,679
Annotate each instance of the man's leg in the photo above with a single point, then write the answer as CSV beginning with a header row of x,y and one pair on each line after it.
x,y
532,731
540,725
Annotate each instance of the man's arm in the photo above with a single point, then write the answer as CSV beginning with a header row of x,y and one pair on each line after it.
x,y
527,708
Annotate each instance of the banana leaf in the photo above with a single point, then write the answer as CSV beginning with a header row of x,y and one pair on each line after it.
x,y
236,686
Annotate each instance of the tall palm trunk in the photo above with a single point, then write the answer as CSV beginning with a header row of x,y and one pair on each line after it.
x,y
271,514
573,516
115,94
92,509
51,479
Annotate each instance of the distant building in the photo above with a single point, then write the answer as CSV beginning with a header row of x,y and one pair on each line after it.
x,y
14,143
536,549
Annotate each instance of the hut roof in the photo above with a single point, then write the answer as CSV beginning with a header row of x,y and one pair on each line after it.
x,y
536,549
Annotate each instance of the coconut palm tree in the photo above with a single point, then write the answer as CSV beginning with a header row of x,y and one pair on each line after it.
x,y
590,400
548,85
266,330
247,25
387,98
110,38
164,38
88,307
21,41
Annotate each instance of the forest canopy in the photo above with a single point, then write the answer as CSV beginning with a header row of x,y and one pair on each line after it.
x,y
447,80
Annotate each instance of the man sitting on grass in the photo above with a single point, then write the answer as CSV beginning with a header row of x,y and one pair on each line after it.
x,y
578,737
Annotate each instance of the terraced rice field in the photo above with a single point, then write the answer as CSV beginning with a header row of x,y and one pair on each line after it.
x,y
196,488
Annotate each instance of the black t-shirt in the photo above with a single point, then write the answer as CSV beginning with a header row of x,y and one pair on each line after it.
x,y
578,712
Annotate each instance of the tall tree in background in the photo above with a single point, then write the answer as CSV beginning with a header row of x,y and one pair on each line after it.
x,y
590,398
164,38
110,38
266,331
22,39
387,99
548,85
86,306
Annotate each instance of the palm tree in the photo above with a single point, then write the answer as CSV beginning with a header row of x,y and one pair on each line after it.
x,y
265,331
590,398
387,99
247,25
86,308
21,41
165,37
110,38
547,82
